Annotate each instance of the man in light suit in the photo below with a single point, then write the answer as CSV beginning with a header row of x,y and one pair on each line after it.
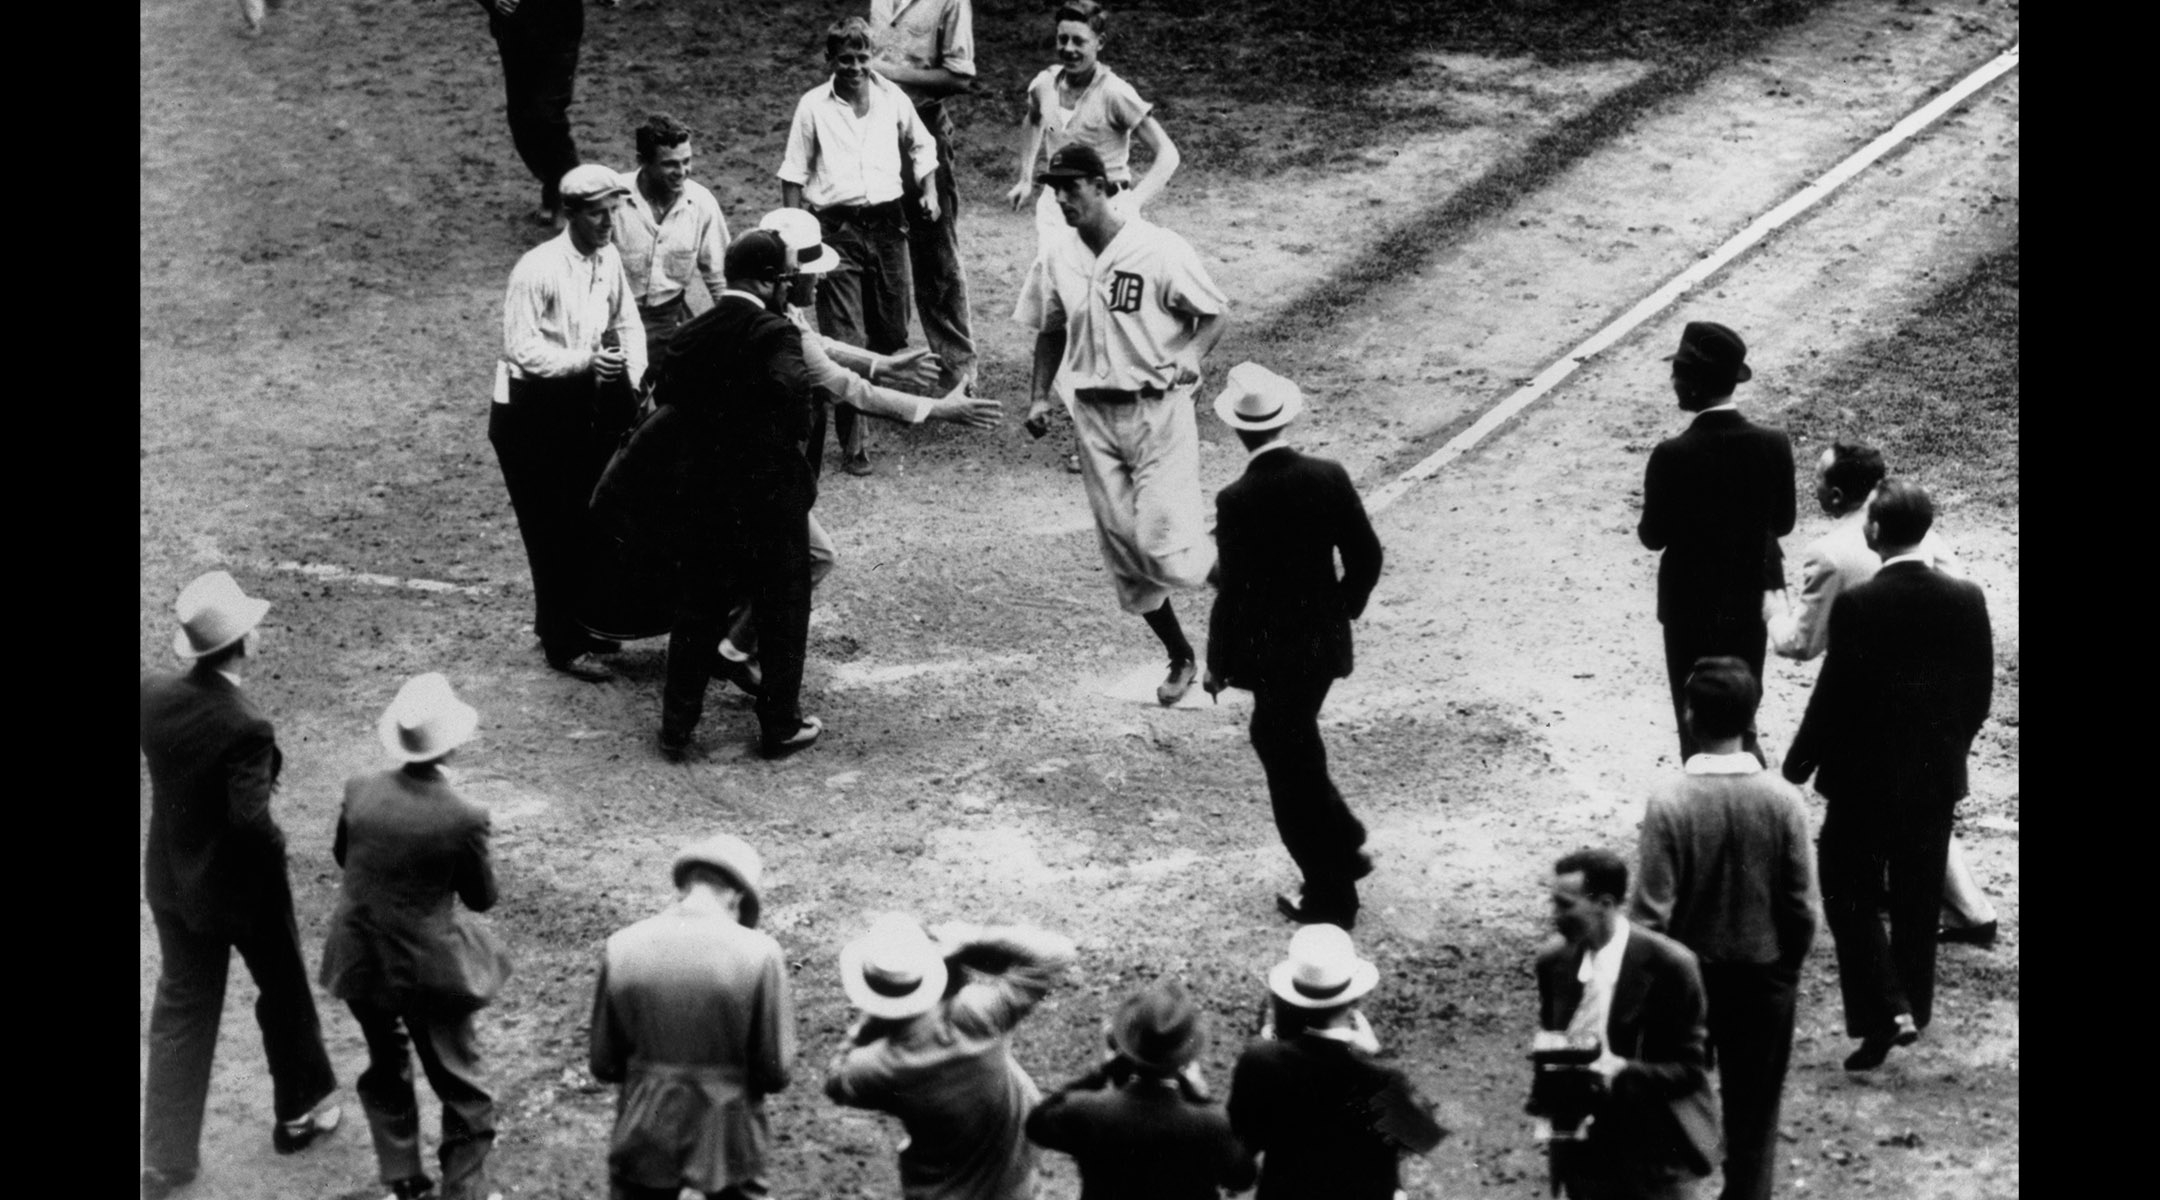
x,y
1716,499
692,1016
411,967
1845,476
1726,872
214,877
1886,734
1281,628
1642,994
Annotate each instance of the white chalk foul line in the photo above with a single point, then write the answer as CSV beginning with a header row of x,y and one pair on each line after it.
x,y
327,571
1657,301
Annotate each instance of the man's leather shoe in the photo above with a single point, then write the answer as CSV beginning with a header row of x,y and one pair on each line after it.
x,y
417,1187
291,1137
1876,1047
675,749
583,665
156,1184
805,734
858,463
1180,680
1364,866
1982,934
743,673
1291,905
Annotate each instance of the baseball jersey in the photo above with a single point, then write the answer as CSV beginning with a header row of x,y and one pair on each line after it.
x,y
1127,313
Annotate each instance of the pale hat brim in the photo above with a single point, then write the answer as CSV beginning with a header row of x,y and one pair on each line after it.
x,y
1226,410
921,999
458,725
250,612
1363,977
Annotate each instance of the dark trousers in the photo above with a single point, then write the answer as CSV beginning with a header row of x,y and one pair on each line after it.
x,y
1867,865
184,1027
450,1056
941,294
1751,1028
1746,639
552,453
1316,825
539,76
618,1190
774,540
661,323
865,302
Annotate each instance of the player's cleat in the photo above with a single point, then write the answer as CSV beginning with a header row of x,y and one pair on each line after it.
x,y
857,463
1180,680
805,734
291,1137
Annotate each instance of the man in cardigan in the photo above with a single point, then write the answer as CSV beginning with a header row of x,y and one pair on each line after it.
x,y
1281,628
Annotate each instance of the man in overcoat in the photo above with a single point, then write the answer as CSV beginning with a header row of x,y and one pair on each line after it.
x,y
1281,628
1903,692
214,877
692,1016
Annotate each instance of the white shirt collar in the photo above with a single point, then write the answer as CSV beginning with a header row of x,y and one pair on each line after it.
x,y
1739,762
726,292
1727,406
1604,962
1917,556
1277,444
229,676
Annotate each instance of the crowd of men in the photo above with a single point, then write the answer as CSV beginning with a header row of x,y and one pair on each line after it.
x,y
675,454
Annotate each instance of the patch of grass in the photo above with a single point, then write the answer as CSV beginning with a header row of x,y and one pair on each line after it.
x,y
1939,397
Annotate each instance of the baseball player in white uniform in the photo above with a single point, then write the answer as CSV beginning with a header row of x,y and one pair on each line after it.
x,y
1124,312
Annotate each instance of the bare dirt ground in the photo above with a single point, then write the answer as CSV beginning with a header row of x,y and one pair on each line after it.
x,y
328,215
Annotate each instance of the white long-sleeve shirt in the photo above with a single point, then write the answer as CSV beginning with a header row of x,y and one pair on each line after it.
x,y
558,305
841,372
840,158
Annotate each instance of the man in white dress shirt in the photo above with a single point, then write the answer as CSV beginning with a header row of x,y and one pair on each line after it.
x,y
573,354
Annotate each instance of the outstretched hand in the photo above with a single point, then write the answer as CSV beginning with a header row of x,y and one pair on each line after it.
x,y
911,370
975,412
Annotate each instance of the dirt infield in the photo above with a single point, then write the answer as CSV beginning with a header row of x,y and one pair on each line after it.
x,y
328,217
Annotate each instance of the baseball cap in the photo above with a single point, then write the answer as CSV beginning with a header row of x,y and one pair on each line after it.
x,y
590,182
1074,162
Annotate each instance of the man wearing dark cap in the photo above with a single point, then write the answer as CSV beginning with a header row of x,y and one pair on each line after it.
x,y
573,353
1140,1126
692,1016
1726,872
1124,312
1716,498
1903,692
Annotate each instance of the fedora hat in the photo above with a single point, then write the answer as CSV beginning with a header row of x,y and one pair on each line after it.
x,y
1712,348
894,971
1256,398
732,857
805,237
1322,971
214,613
1159,1028
426,720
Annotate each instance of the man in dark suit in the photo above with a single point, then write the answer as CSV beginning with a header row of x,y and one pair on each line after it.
x,y
1903,692
1726,872
1716,499
1326,1118
735,378
214,876
1140,1126
1281,628
1641,994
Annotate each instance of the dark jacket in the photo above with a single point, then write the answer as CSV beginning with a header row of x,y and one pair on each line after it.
x,y
1141,1141
1659,1121
1716,498
1903,691
1326,1119
214,859
412,849
1281,613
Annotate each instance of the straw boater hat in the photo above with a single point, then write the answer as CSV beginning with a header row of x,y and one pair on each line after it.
x,y
1322,971
426,720
803,235
1159,1028
214,613
894,971
1256,398
732,857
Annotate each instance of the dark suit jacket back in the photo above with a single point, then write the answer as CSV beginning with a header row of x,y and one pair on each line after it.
x,y
739,370
1312,1107
215,859
1281,613
1659,1120
1143,1141
412,848
1904,690
1716,498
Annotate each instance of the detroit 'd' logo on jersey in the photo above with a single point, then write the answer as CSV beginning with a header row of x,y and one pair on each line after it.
x,y
1124,292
